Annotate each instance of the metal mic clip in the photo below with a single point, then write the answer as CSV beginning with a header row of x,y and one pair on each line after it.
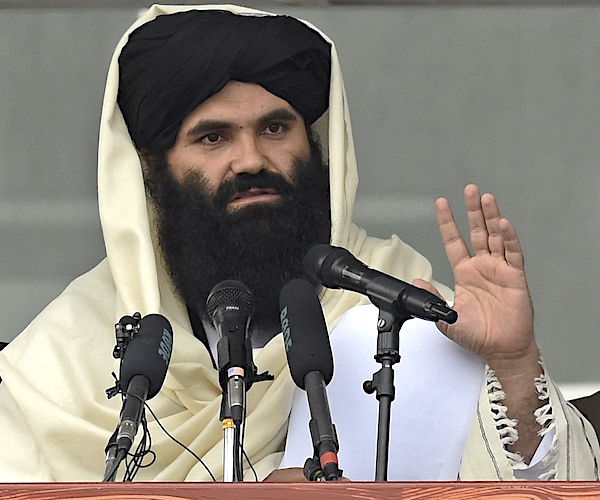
x,y
125,330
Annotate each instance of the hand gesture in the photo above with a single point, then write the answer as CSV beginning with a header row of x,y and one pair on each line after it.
x,y
495,314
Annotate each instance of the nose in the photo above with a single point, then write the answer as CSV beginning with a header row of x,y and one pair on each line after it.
x,y
249,156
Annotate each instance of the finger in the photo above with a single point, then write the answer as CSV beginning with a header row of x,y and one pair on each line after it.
x,y
443,327
454,244
513,253
479,233
425,285
492,217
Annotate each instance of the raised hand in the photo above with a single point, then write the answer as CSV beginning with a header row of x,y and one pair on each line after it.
x,y
495,314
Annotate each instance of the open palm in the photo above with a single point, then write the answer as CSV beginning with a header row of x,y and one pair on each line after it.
x,y
495,314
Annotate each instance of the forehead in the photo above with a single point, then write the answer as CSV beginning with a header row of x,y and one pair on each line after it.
x,y
240,103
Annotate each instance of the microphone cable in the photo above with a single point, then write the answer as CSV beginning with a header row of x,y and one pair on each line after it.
x,y
191,452
244,454
140,453
134,461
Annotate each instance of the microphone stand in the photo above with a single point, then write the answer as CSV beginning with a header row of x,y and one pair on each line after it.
x,y
231,467
110,469
233,409
235,382
388,354
233,412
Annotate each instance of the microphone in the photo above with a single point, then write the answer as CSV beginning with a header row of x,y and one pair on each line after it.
x,y
143,371
336,267
230,308
311,366
145,360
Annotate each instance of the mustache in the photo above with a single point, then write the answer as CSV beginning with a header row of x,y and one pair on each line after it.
x,y
245,181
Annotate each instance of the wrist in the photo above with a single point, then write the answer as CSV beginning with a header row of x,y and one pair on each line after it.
x,y
524,366
521,424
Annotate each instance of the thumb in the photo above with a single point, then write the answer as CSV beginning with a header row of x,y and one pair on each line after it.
x,y
427,286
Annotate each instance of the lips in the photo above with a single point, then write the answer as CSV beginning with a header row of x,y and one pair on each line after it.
x,y
254,195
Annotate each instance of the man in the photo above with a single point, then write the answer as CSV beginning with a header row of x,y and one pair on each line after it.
x,y
210,169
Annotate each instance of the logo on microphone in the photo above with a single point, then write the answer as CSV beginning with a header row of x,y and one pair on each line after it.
x,y
166,346
285,329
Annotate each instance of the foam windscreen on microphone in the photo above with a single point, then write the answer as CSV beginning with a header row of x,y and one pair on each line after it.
x,y
149,353
304,331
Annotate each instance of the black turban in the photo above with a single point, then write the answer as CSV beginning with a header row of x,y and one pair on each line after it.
x,y
173,63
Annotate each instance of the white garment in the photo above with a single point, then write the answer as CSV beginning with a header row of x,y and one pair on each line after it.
x,y
436,382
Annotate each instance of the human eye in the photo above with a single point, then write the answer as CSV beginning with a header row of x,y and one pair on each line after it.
x,y
276,128
211,139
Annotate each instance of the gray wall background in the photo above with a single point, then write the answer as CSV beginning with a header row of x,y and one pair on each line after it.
x,y
506,97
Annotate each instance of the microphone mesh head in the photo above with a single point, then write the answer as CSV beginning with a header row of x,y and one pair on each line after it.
x,y
229,292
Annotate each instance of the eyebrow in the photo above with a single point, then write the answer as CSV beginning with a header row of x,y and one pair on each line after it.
x,y
279,114
204,126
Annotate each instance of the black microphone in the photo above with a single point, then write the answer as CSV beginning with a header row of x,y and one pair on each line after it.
x,y
336,267
143,371
230,308
311,366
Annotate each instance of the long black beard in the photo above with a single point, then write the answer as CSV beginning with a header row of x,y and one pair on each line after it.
x,y
260,245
